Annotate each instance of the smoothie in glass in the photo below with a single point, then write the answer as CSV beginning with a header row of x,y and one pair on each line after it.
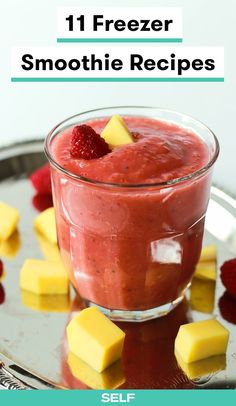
x,y
130,223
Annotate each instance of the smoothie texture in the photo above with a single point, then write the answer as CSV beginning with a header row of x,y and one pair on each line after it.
x,y
160,152
132,245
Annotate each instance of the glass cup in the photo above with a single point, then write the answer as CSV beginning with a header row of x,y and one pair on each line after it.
x,y
131,250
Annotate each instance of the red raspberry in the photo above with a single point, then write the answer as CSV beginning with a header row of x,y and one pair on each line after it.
x,y
42,202
41,180
228,276
227,306
2,294
1,268
87,144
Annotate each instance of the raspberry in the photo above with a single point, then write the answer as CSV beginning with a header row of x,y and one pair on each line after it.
x,y
228,276
42,202
227,306
41,180
87,144
2,294
1,268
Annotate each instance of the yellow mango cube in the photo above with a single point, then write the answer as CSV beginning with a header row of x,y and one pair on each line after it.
x,y
49,250
9,217
203,367
209,253
45,303
202,339
95,339
45,223
202,295
116,133
111,378
44,277
11,246
206,270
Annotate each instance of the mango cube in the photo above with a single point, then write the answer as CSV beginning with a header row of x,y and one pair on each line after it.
x,y
206,270
203,367
44,277
209,253
116,133
202,295
95,339
9,217
45,223
111,378
202,339
11,246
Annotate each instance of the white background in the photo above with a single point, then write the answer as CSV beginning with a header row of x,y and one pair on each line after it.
x,y
32,109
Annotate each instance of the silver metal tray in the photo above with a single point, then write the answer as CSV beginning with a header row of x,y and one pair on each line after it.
x,y
33,348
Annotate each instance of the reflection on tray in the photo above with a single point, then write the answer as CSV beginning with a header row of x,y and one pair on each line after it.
x,y
202,295
148,358
202,368
45,303
111,378
10,247
49,250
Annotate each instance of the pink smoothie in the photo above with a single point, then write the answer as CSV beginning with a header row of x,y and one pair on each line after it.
x,y
161,152
132,248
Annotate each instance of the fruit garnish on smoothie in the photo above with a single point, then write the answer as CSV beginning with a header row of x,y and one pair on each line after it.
x,y
87,144
116,132
130,150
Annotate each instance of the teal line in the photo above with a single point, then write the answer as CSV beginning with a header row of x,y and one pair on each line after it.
x,y
119,40
94,397
15,79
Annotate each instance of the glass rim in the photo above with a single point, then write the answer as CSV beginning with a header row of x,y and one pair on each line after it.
x,y
170,182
